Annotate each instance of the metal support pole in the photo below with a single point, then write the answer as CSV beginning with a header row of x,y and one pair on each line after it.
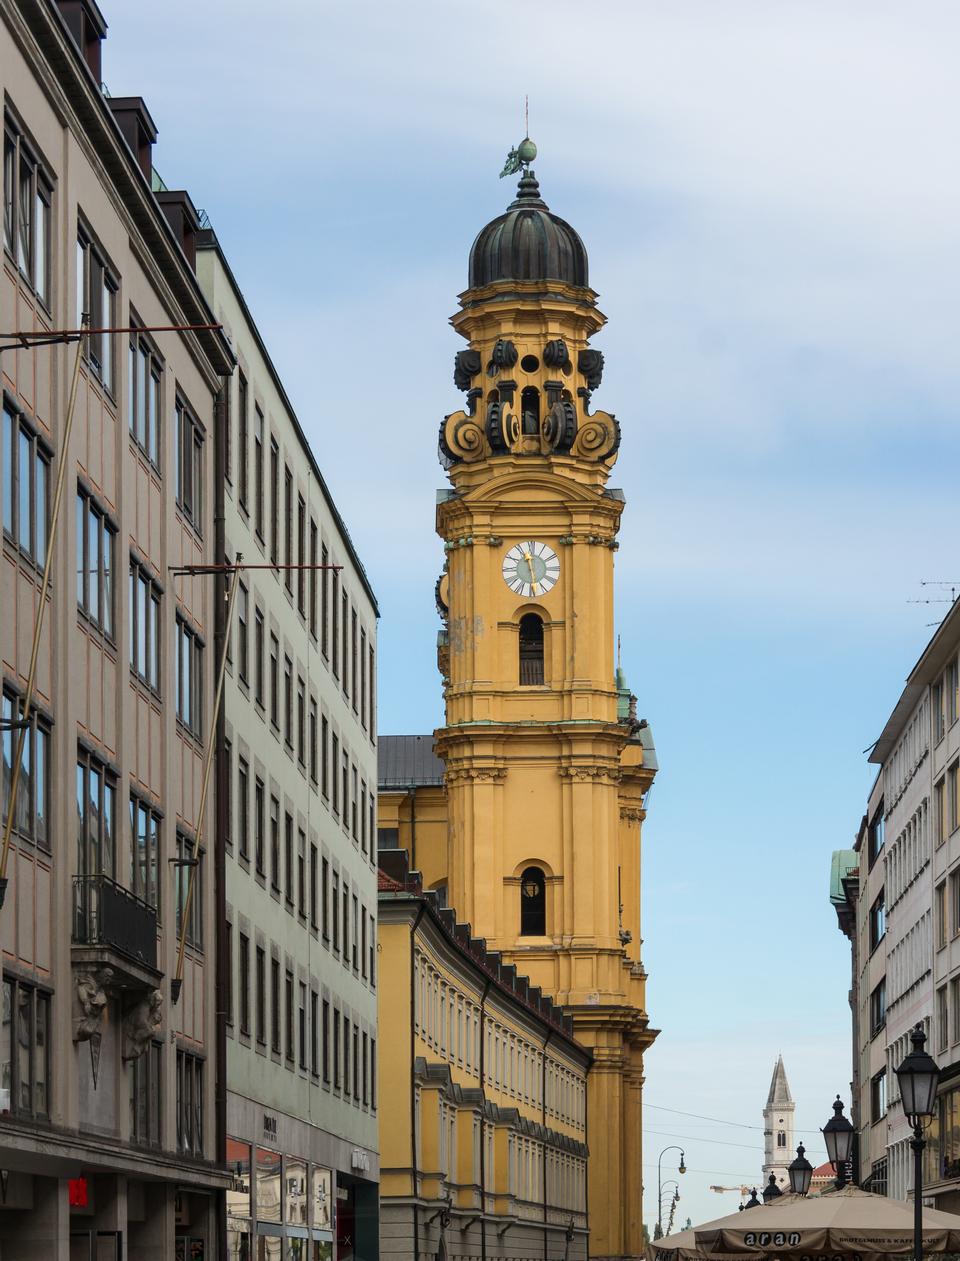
x,y
918,1143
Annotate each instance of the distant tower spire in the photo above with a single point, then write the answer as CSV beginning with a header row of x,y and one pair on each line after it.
x,y
778,1126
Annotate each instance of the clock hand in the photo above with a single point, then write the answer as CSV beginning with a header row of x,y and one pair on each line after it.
x,y
533,581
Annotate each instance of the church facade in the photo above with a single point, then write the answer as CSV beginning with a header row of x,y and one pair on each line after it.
x,y
531,830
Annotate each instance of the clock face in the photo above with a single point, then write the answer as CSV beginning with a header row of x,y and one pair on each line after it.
x,y
531,569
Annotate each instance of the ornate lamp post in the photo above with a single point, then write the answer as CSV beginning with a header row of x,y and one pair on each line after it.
x,y
753,1202
918,1076
838,1136
800,1171
681,1168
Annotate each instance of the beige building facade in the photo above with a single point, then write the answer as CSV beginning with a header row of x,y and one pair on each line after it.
x,y
297,790
108,1117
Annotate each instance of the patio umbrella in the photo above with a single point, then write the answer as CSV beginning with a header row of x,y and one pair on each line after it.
x,y
682,1246
847,1222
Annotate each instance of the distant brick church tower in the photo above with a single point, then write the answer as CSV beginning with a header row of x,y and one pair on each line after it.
x,y
778,1144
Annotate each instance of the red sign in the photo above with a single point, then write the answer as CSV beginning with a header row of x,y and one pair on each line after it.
x,y
78,1192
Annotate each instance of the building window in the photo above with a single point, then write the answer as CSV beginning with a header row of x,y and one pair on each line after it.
x,y
289,1029
354,804
243,633
146,1083
372,703
145,371
189,1103
781,1138
184,866
302,1026
314,1033
288,702
243,438
335,908
878,1096
943,1019
228,794
325,898
97,298
875,836
30,819
354,687
275,681
953,804
325,1041
314,760
302,873
878,1007
301,555
275,844
27,201
189,677
244,983
243,808
301,722
335,758
288,528
531,649
188,463
96,546
325,756
258,472
335,1041
878,921
259,817
275,1005
346,791
939,812
228,978
344,641
258,664
363,678
939,709
533,903
940,911
145,851
96,817
314,874
274,502
288,857
335,622
26,474
25,1050
314,561
324,603
261,996
145,626
346,1055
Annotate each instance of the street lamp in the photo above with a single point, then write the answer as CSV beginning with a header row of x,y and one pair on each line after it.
x,y
800,1171
681,1168
838,1136
918,1076
771,1190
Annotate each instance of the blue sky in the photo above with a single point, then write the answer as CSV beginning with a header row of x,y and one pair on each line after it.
x,y
769,196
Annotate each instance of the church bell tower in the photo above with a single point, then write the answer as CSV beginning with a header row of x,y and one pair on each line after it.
x,y
546,765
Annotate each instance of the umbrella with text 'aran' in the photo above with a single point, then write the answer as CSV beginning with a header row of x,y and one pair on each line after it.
x,y
836,1224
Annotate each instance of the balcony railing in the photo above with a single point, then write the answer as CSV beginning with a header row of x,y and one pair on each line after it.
x,y
106,914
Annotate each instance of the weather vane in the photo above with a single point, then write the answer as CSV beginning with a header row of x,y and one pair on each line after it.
x,y
525,151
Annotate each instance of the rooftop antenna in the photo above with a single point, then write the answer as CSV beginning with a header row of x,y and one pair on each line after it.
x,y
526,117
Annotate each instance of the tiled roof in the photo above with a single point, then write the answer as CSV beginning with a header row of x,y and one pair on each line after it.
x,y
407,762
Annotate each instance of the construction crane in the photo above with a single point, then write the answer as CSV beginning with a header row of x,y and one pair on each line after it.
x,y
742,1190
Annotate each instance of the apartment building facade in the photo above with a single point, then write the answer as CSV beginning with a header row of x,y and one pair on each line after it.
x,y
108,1119
297,804
485,1145
904,900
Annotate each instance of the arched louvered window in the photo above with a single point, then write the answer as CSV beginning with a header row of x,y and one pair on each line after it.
x,y
530,410
531,649
533,903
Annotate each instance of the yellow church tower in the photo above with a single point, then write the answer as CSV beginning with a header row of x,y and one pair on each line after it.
x,y
546,767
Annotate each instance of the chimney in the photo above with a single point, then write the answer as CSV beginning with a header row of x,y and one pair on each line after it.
x,y
88,27
139,129
183,218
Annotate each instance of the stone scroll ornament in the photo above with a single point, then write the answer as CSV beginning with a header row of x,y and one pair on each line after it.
x,y
461,439
502,427
598,438
505,354
466,365
141,1024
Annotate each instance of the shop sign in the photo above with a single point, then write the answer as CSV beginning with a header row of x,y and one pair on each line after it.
x,y
359,1159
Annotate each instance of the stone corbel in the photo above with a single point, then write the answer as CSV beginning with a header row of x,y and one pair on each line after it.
x,y
141,1024
91,996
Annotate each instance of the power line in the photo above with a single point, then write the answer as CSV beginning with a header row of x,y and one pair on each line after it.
x,y
697,1116
721,1142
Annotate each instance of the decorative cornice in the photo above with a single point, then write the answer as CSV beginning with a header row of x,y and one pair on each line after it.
x,y
590,772
478,774
632,814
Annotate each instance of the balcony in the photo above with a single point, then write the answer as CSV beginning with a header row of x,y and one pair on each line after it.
x,y
111,926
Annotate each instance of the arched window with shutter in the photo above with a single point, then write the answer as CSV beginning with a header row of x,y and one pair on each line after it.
x,y
531,649
533,903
